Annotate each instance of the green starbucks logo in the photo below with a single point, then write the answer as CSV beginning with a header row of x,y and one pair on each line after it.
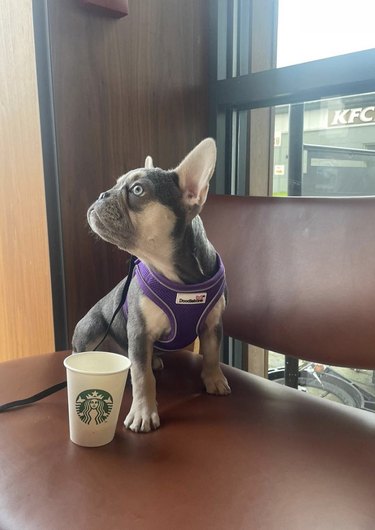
x,y
94,406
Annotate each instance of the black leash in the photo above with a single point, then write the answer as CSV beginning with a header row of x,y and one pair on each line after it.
x,y
32,399
122,301
60,386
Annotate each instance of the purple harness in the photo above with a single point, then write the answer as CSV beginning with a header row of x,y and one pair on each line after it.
x,y
186,306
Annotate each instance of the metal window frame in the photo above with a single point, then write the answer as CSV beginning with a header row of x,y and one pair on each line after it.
x,y
343,75
50,166
231,99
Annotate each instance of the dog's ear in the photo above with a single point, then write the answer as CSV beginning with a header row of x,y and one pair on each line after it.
x,y
149,164
195,171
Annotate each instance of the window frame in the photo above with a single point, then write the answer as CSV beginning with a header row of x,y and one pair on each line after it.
x,y
232,25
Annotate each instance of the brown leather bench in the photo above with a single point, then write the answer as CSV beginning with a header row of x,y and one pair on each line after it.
x,y
301,275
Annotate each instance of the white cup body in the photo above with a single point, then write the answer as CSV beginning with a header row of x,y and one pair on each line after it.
x,y
95,382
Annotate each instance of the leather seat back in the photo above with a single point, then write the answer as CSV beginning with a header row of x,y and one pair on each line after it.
x,y
301,274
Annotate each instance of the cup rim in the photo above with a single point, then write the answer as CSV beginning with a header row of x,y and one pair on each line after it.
x,y
90,372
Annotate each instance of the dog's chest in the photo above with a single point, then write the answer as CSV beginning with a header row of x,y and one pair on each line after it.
x,y
175,313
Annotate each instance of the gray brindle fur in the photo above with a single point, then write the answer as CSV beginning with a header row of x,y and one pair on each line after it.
x,y
154,215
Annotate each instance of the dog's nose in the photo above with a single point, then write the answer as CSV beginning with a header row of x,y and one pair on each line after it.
x,y
103,195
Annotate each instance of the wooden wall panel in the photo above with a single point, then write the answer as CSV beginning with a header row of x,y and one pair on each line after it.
x,y
122,89
26,325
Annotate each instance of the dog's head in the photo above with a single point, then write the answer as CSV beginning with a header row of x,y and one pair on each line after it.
x,y
147,207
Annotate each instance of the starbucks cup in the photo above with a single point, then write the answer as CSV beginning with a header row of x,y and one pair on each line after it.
x,y
96,382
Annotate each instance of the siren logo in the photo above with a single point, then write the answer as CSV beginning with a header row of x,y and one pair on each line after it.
x,y
94,406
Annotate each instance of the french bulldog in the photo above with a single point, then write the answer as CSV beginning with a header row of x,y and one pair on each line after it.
x,y
154,215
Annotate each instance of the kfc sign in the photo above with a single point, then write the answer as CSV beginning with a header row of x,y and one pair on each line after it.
x,y
356,116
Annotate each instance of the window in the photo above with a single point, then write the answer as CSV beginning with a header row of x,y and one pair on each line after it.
x,y
293,101
337,159
308,30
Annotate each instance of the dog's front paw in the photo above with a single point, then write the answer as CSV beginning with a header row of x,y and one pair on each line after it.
x,y
142,418
216,383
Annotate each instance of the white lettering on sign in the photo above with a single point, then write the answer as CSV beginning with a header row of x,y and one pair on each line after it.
x,y
365,116
352,116
354,113
339,117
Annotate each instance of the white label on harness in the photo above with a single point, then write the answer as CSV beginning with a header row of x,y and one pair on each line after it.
x,y
191,298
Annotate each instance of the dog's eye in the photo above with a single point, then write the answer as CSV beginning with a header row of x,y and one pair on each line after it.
x,y
137,190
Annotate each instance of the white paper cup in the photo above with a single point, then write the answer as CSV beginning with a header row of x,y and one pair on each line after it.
x,y
96,382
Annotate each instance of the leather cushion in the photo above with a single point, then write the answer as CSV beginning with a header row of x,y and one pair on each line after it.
x,y
265,457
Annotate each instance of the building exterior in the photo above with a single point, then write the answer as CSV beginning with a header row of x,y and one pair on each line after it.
x,y
338,147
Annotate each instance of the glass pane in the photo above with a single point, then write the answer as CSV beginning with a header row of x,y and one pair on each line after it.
x,y
337,140
338,146
355,388
308,30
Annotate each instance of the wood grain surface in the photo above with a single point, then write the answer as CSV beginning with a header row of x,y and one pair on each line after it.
x,y
26,325
123,89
